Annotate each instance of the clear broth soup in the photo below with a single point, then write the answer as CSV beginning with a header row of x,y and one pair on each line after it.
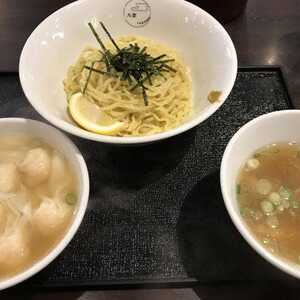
x,y
37,201
268,192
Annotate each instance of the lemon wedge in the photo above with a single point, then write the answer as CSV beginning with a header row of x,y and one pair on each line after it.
x,y
90,117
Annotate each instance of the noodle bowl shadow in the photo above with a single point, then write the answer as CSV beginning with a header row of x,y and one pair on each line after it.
x,y
56,43
132,168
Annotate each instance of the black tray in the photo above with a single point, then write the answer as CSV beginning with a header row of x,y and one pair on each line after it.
x,y
156,216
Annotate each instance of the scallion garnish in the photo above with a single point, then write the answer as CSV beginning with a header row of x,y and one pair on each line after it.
x,y
71,198
132,64
238,189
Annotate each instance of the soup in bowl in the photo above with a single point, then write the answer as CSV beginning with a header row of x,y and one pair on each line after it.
x,y
128,72
260,180
44,189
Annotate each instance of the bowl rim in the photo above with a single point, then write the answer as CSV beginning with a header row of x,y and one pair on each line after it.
x,y
72,129
78,216
281,263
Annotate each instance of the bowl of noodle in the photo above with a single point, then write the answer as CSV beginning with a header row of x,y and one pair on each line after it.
x,y
128,72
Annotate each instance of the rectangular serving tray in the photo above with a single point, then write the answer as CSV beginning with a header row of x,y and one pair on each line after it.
x,y
156,217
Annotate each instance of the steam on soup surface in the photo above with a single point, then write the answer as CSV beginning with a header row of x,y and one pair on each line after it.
x,y
268,192
37,201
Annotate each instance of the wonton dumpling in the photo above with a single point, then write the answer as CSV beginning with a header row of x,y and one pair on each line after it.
x,y
58,171
49,216
9,177
36,166
14,247
12,156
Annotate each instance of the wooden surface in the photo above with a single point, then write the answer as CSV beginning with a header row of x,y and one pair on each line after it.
x,y
268,33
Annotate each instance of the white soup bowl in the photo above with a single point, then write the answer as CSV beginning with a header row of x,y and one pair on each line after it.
x,y
65,146
275,127
57,42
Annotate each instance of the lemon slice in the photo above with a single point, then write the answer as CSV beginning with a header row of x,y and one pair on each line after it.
x,y
89,116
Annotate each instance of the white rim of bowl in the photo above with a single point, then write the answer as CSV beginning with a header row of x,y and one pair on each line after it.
x,y
78,217
278,262
133,140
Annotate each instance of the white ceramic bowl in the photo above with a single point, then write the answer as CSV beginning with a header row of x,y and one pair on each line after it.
x,y
57,42
63,144
281,126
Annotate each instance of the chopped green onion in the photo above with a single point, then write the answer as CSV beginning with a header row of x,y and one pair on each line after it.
x,y
243,212
284,193
71,198
238,189
267,207
275,199
246,212
295,204
286,203
263,186
253,163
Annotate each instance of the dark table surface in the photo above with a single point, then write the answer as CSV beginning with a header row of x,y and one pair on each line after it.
x,y
268,33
